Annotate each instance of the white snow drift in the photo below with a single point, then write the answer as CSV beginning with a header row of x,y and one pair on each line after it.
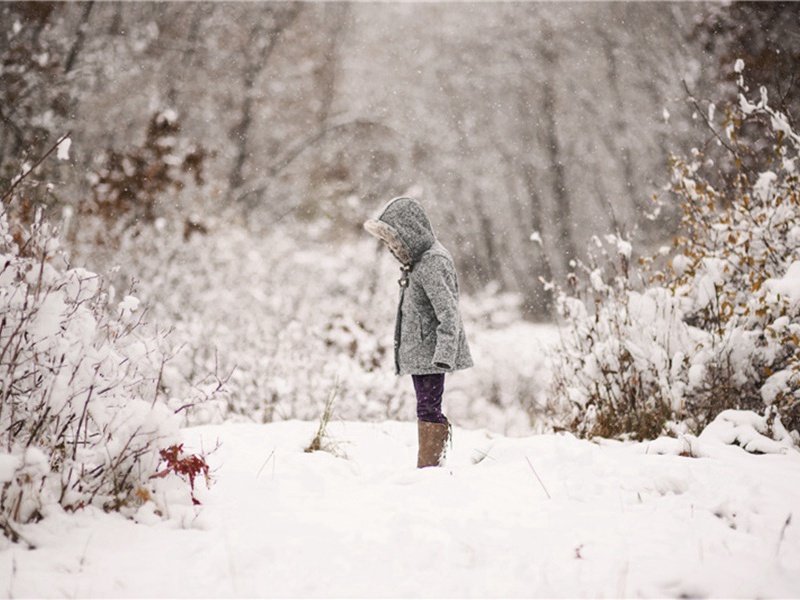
x,y
542,516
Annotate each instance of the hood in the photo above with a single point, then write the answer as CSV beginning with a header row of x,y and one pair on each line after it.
x,y
405,228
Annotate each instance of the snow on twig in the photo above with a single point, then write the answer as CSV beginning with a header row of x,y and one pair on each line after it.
x,y
24,175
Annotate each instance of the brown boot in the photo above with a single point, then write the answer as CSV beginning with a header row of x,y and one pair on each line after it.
x,y
433,438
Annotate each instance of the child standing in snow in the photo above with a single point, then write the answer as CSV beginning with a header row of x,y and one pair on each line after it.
x,y
429,338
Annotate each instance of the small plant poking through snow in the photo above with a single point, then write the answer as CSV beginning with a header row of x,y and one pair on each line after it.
x,y
321,440
716,328
188,466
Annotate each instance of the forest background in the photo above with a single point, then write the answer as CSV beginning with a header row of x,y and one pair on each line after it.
x,y
224,156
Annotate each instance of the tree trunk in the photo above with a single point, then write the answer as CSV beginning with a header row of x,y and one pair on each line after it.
x,y
80,37
539,302
262,40
562,212
621,128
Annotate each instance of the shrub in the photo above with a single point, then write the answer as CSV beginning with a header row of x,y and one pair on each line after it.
x,y
619,348
714,328
127,185
82,416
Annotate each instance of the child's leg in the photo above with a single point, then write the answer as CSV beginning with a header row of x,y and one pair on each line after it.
x,y
429,389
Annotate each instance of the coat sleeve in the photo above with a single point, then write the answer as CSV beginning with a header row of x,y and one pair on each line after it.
x,y
439,282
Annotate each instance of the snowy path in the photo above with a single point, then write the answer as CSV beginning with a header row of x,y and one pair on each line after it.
x,y
279,522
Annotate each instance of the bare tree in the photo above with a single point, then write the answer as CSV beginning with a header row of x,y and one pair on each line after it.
x,y
268,25
513,118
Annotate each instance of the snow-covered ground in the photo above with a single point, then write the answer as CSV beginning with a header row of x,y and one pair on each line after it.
x,y
542,516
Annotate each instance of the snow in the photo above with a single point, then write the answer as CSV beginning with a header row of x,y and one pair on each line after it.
x,y
596,277
789,285
680,263
621,520
129,304
81,284
63,149
624,248
747,107
168,116
763,185
47,320
9,464
776,384
748,430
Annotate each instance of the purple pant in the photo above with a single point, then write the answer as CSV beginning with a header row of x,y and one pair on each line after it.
x,y
429,389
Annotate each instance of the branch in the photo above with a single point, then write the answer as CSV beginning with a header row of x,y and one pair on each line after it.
x,y
702,113
16,130
539,478
292,153
22,177
77,46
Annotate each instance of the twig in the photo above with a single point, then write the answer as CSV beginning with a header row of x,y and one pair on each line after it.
x,y
783,533
483,456
14,535
22,177
318,441
82,561
158,382
539,478
271,454
700,111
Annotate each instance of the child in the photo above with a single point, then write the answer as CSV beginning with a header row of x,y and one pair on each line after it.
x,y
429,338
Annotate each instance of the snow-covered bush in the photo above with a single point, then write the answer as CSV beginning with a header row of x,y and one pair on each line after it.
x,y
279,316
82,415
614,367
753,433
717,327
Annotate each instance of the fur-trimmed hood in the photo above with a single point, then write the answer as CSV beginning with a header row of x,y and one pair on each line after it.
x,y
403,225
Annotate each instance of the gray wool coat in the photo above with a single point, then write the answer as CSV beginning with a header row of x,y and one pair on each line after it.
x,y
429,334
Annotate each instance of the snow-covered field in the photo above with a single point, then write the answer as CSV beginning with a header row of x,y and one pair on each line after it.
x,y
542,516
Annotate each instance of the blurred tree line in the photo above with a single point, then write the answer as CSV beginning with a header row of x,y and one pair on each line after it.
x,y
526,128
